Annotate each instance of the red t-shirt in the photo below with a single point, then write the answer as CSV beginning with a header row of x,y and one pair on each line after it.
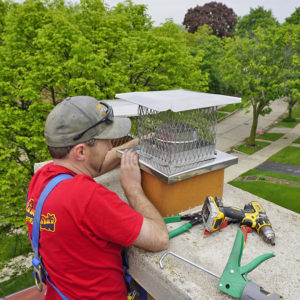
x,y
83,228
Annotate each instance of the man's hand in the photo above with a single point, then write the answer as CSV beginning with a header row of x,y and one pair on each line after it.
x,y
130,173
153,235
112,159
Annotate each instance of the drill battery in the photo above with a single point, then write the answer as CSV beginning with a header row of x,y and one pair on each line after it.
x,y
253,215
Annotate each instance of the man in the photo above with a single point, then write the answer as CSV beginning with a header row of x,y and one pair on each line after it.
x,y
84,225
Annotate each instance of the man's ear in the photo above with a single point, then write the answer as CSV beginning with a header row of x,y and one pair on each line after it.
x,y
79,152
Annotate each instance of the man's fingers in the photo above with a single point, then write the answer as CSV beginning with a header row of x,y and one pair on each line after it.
x,y
123,158
130,174
134,157
129,158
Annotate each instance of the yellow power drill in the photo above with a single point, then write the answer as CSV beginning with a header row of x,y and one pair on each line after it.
x,y
253,215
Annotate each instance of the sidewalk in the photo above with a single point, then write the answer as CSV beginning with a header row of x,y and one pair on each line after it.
x,y
236,128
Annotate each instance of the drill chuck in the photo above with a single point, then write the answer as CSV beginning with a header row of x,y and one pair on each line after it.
x,y
268,235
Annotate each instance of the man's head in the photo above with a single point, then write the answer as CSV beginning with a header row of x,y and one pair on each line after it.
x,y
79,119
78,132
77,125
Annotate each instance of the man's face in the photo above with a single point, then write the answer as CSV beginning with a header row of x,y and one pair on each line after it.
x,y
96,156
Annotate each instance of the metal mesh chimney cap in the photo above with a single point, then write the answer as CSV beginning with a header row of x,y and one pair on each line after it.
x,y
176,128
177,100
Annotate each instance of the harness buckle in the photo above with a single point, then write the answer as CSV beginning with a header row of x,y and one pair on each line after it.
x,y
131,295
37,273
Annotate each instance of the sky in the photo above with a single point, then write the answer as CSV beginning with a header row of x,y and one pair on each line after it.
x,y
160,10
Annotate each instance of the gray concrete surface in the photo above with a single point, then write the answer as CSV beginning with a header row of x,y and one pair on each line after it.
x,y
280,274
179,280
279,168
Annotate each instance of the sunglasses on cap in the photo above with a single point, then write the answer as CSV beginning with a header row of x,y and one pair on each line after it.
x,y
107,119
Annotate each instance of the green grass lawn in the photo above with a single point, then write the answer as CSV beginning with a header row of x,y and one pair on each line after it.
x,y
16,283
13,245
272,136
296,111
288,124
229,108
260,173
250,149
285,122
220,115
289,155
297,141
283,195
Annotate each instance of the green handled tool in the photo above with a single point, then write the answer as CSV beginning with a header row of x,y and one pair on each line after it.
x,y
234,281
194,219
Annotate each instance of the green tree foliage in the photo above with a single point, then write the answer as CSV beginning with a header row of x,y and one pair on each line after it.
x,y
215,14
2,15
21,145
204,42
258,17
290,84
65,62
4,6
255,68
20,120
159,59
294,18
17,53
51,50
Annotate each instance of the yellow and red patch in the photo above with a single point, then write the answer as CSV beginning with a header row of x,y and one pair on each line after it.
x,y
47,222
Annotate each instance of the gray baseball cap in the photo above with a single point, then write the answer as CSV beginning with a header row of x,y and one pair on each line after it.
x,y
78,119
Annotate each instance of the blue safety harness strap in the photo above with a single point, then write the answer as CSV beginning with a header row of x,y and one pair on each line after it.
x,y
37,260
36,226
38,210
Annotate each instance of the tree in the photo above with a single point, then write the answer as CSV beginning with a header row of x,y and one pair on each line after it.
x,y
211,48
290,85
294,18
217,15
18,51
4,7
65,62
3,10
291,88
158,59
22,113
258,17
50,50
21,145
255,69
